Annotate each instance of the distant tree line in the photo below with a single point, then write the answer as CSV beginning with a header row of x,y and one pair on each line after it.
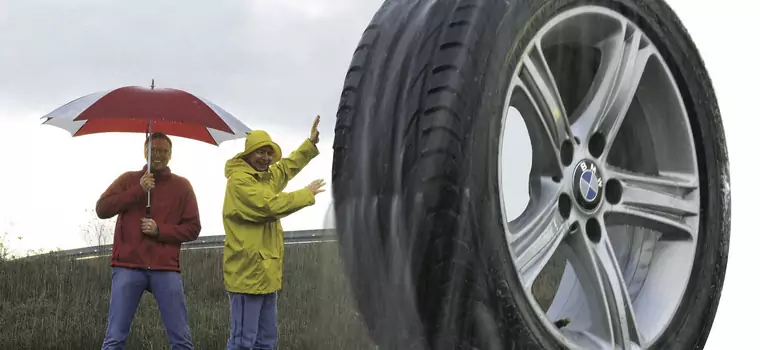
x,y
96,232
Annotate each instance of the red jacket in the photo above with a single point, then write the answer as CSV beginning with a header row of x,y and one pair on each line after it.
x,y
173,208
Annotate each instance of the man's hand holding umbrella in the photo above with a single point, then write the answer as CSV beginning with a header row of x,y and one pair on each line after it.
x,y
148,226
147,182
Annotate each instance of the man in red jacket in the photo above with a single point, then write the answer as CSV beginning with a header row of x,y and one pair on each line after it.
x,y
145,254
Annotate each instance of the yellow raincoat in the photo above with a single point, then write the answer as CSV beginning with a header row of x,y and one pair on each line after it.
x,y
253,206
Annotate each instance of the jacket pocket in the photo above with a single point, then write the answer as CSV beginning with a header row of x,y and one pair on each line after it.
x,y
271,272
267,254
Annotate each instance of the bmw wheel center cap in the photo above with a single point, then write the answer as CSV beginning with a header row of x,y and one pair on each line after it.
x,y
588,185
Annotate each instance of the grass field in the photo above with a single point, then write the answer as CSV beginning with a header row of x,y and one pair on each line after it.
x,y
57,303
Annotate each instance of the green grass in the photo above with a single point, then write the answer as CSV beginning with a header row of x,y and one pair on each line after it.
x,y
59,303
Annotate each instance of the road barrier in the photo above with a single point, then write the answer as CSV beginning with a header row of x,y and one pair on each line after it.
x,y
207,242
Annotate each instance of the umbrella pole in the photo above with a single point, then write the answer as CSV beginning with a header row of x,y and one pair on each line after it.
x,y
150,151
150,161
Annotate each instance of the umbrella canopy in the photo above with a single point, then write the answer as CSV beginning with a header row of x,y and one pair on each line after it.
x,y
133,108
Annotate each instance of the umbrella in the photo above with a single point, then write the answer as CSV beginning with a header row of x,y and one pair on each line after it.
x,y
135,109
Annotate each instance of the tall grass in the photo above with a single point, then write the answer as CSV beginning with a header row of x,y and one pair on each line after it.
x,y
61,303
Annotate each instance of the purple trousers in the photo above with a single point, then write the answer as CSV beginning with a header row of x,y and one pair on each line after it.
x,y
253,321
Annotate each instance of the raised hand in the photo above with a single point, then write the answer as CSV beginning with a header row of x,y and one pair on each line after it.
x,y
314,136
316,186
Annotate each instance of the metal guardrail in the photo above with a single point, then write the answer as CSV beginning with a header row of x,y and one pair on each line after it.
x,y
207,242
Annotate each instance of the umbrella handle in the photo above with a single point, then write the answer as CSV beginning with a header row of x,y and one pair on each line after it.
x,y
150,161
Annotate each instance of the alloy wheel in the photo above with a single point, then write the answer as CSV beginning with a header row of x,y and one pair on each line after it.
x,y
612,218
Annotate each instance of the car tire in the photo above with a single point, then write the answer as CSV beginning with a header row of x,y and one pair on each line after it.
x,y
415,174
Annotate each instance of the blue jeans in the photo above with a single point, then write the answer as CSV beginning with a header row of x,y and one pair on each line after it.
x,y
127,287
253,321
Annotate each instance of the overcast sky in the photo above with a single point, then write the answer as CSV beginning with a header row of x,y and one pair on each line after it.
x,y
274,64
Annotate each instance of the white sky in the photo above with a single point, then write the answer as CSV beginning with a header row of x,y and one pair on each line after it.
x,y
231,57
274,64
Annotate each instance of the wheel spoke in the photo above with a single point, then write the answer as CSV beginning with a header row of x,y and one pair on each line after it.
x,y
667,203
535,236
624,57
539,76
599,273
537,92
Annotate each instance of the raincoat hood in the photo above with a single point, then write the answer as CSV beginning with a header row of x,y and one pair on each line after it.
x,y
255,140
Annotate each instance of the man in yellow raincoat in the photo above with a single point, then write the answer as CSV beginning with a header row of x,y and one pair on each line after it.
x,y
254,245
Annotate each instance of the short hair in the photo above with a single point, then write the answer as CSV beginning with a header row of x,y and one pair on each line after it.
x,y
158,135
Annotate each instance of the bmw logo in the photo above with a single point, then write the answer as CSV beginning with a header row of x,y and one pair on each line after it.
x,y
588,184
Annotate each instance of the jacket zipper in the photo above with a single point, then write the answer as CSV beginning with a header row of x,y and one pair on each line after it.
x,y
150,247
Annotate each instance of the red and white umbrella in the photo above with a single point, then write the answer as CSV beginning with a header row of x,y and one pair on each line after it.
x,y
135,109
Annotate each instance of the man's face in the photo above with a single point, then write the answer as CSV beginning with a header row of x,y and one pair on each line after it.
x,y
162,153
261,158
